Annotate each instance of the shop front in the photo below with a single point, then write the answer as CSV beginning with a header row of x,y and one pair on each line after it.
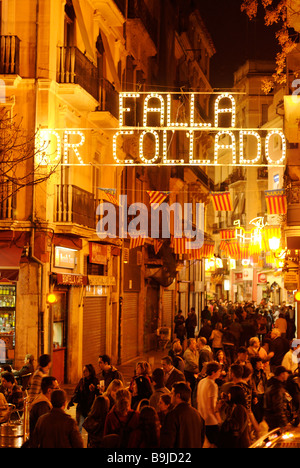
x,y
11,250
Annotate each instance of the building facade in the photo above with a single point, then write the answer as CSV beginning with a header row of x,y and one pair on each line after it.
x,y
63,67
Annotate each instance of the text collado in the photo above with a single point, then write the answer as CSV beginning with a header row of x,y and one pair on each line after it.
x,y
154,122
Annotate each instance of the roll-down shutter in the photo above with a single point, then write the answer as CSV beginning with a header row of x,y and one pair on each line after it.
x,y
94,330
129,326
167,311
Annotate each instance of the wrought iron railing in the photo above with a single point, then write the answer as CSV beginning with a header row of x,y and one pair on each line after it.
x,y
9,55
74,205
74,67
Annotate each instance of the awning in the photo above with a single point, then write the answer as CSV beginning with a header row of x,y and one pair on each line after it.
x,y
10,263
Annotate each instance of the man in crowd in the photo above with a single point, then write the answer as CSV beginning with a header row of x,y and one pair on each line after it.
x,y
183,426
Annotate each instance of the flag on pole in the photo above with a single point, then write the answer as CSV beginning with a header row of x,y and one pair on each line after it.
x,y
157,197
276,202
222,201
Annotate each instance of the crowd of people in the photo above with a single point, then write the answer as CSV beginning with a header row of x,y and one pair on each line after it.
x,y
220,385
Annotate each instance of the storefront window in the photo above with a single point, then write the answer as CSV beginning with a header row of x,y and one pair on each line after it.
x,y
7,322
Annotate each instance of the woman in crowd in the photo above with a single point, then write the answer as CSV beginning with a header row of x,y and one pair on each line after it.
x,y
84,394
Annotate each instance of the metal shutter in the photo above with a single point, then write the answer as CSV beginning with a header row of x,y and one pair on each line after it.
x,y
94,330
167,311
129,341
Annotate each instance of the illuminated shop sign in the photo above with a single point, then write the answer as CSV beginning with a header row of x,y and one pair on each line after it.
x,y
154,123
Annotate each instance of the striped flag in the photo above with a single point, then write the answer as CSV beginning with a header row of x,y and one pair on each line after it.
x,y
276,201
157,197
179,245
157,245
222,201
137,242
227,234
108,194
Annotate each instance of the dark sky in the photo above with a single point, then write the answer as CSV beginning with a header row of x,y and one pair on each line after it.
x,y
236,38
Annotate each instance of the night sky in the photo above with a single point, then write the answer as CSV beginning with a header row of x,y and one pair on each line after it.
x,y
236,38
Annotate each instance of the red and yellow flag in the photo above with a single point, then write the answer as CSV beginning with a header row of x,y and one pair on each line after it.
x,y
276,201
222,201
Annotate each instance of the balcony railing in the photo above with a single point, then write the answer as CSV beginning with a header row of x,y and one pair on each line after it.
x,y
108,98
74,67
7,201
74,205
9,55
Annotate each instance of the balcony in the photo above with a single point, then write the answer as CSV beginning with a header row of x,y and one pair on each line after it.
x,y
7,201
108,98
74,68
142,27
9,55
74,205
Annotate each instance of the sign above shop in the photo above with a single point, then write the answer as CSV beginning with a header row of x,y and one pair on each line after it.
x,y
97,253
153,132
71,279
64,258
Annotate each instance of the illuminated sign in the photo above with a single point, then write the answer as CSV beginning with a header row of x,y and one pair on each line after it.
x,y
154,127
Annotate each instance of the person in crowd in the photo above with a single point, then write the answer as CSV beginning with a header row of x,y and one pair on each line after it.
x,y
164,406
222,360
242,357
27,368
42,403
141,389
179,328
191,323
147,433
176,355
183,427
56,429
41,371
121,419
276,411
216,338
4,409
107,372
111,391
207,398
291,358
12,392
234,430
142,369
84,394
255,349
95,421
205,352
205,330
191,362
205,315
171,374
258,382
278,347
159,388
281,324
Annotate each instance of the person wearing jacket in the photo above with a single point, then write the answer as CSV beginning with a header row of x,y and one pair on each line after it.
x,y
183,427
56,429
84,394
275,400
